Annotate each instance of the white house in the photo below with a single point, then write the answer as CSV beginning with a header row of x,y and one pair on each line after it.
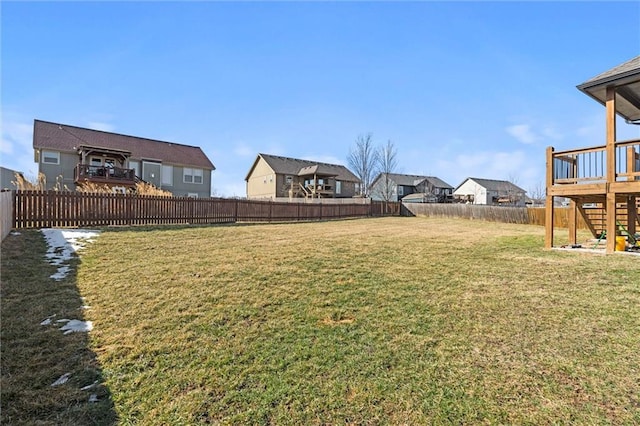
x,y
490,192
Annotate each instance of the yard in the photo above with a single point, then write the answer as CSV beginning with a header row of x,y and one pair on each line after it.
x,y
369,321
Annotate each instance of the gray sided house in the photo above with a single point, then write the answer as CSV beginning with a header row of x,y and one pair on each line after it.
x,y
410,188
7,179
272,177
490,192
72,156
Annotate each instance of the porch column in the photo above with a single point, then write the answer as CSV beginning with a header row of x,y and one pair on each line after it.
x,y
632,214
611,168
549,208
573,222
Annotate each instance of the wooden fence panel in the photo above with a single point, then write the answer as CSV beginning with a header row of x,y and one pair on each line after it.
x,y
37,209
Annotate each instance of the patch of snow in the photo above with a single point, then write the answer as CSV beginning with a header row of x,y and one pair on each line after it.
x,y
85,307
93,398
91,386
46,322
63,320
63,244
75,326
62,380
15,233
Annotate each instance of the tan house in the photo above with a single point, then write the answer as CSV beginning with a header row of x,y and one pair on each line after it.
x,y
72,156
272,177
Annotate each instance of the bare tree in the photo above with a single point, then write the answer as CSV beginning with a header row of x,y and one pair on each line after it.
x,y
538,193
363,160
387,164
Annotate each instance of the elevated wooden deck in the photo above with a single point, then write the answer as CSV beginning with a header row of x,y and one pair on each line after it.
x,y
607,177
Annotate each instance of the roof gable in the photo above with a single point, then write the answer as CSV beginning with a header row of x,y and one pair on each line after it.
x,y
296,167
65,138
494,185
415,180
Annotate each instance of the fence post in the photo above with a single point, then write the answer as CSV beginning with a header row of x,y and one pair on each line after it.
x,y
320,210
270,207
235,211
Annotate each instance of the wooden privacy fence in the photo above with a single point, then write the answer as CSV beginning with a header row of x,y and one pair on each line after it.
x,y
44,209
523,215
6,219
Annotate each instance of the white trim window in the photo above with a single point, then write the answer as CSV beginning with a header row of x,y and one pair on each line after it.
x,y
338,187
192,175
50,157
167,175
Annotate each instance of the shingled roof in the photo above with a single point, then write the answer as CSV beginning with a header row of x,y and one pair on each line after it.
x,y
494,185
626,79
66,138
414,180
294,166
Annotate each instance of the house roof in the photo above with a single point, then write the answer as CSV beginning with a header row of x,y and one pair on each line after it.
x,y
494,185
66,138
626,79
414,180
298,167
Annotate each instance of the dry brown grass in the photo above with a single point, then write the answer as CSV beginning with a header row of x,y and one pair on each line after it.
x,y
373,321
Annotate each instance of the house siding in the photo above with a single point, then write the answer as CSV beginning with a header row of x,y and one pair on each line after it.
x,y
65,168
470,187
263,181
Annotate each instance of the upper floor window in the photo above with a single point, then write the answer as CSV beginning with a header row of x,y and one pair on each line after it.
x,y
51,157
167,175
192,175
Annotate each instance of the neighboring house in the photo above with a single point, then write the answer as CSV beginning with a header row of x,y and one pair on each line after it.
x,y
397,187
72,156
490,192
7,178
272,177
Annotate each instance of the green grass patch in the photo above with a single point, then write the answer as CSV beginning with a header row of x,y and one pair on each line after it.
x,y
376,321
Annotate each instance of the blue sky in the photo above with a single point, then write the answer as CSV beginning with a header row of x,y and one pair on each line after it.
x,y
461,88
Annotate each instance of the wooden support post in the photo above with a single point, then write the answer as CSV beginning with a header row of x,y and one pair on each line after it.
x,y
573,222
611,169
611,135
631,162
632,214
612,228
548,221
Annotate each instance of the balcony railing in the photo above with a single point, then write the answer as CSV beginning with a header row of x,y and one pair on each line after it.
x,y
589,165
104,174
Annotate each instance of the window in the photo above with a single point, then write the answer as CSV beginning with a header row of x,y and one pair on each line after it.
x,y
51,157
192,175
400,190
288,179
338,187
135,165
167,175
192,195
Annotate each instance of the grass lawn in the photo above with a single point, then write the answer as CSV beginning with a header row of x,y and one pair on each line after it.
x,y
369,321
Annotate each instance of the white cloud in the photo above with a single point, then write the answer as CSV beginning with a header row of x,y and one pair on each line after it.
x,y
97,125
16,145
244,150
519,166
323,159
523,133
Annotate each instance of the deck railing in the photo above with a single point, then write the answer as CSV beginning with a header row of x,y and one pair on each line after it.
x,y
589,165
102,173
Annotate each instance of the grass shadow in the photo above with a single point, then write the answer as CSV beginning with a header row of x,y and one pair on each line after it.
x,y
36,353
